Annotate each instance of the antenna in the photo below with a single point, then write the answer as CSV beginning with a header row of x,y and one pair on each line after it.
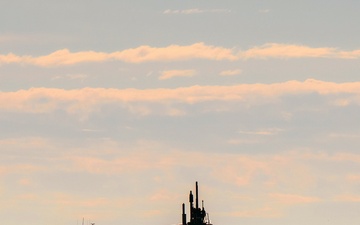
x,y
183,215
197,195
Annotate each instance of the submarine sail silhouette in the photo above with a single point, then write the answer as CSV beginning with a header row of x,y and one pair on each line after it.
x,y
198,216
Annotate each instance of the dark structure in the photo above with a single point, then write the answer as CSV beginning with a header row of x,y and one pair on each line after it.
x,y
198,216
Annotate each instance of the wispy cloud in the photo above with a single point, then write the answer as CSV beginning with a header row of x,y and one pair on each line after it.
x,y
290,199
135,55
87,100
274,50
10,38
268,131
286,170
140,54
179,53
176,73
19,169
195,11
347,198
79,76
261,212
230,72
264,10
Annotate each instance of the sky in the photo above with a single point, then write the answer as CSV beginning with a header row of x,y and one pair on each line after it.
x,y
111,110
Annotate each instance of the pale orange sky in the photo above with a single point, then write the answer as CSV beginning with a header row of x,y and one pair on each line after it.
x,y
111,110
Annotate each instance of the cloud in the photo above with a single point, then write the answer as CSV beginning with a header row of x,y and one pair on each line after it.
x,y
19,169
274,50
174,53
353,178
79,76
176,73
233,170
35,142
264,10
195,11
263,212
65,57
135,55
88,100
230,174
11,38
347,198
163,194
291,199
230,72
266,132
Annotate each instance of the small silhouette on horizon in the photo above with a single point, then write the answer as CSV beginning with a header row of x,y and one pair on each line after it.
x,y
198,216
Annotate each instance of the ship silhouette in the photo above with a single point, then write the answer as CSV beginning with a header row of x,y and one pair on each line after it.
x,y
198,216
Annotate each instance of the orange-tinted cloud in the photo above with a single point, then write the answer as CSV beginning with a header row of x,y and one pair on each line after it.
x,y
195,11
274,50
347,198
87,100
230,72
19,168
176,73
290,199
199,50
262,212
134,55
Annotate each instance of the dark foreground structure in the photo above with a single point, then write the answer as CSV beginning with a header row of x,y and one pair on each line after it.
x,y
198,216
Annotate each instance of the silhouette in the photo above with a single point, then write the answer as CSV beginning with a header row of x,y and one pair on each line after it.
x,y
197,216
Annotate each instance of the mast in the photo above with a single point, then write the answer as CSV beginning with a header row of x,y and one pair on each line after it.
x,y
183,215
191,200
197,195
